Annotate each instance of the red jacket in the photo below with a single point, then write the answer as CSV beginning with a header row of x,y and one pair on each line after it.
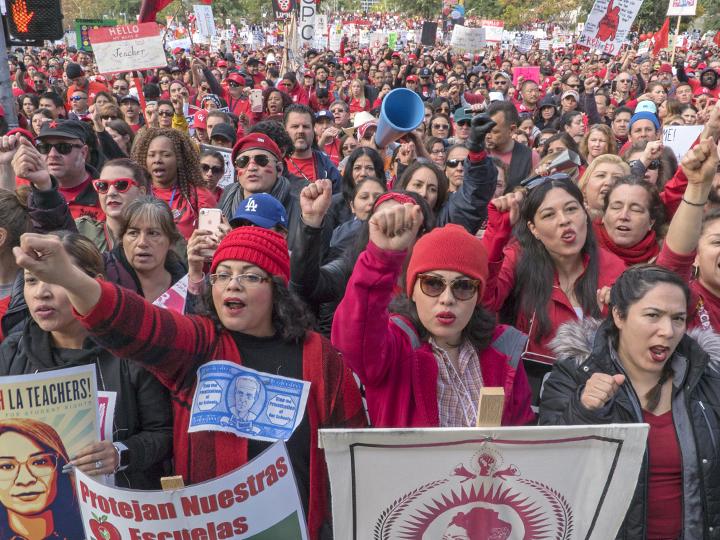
x,y
401,380
172,346
502,262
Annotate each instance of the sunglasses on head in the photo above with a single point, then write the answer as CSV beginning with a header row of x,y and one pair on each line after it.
x,y
535,181
122,185
461,288
216,169
63,148
453,163
243,161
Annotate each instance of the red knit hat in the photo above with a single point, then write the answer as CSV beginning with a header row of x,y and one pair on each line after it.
x,y
264,248
449,248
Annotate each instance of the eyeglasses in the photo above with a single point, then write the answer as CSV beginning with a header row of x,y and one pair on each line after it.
x,y
233,84
438,152
164,82
165,114
440,126
39,465
652,166
535,181
78,98
246,280
461,288
62,148
453,163
108,117
216,169
465,123
122,185
244,161
38,81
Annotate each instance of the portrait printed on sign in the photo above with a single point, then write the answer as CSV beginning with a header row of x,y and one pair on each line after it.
x,y
44,419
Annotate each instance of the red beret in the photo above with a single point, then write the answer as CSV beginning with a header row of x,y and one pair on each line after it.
x,y
256,141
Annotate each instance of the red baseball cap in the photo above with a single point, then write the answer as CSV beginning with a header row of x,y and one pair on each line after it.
x,y
177,50
237,78
200,119
411,78
222,63
665,68
256,141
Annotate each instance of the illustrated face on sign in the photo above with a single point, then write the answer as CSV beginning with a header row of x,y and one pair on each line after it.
x,y
247,390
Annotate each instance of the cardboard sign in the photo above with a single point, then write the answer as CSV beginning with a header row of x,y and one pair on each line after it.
x,y
204,20
680,138
467,39
608,24
45,419
528,73
128,47
483,483
682,7
258,500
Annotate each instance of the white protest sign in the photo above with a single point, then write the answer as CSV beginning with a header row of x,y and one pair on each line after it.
x,y
183,43
493,29
680,138
321,32
128,47
257,500
204,20
682,7
608,24
535,482
306,22
524,42
467,39
644,48
175,297
544,45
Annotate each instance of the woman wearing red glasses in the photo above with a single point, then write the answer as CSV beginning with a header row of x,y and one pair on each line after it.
x,y
425,364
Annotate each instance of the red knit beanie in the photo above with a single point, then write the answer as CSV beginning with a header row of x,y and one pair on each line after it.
x,y
449,248
264,248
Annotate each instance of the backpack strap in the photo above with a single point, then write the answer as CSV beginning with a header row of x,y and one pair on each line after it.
x,y
408,329
511,343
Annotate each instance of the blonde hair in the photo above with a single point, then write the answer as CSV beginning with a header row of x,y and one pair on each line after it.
x,y
609,137
600,160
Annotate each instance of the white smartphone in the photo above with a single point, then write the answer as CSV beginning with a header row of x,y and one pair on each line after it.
x,y
209,220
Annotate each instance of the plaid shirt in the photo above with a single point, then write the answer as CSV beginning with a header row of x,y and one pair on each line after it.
x,y
458,390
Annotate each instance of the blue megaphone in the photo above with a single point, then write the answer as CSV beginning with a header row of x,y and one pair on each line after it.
x,y
402,111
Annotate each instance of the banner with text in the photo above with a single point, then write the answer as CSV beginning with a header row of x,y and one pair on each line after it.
x,y
306,22
680,138
45,418
538,482
258,500
682,7
467,39
204,21
608,24
493,29
128,47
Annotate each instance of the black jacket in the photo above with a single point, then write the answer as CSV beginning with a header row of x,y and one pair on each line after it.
x,y
583,348
143,416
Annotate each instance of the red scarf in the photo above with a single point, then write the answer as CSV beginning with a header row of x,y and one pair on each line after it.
x,y
642,252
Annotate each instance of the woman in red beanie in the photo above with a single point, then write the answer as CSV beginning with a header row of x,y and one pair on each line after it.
x,y
424,365
253,321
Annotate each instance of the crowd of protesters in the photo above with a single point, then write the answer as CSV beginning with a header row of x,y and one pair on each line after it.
x,y
535,235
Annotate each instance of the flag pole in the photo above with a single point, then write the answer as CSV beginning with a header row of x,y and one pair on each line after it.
x,y
677,33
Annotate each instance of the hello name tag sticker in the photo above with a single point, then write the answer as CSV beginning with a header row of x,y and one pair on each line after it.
x,y
246,402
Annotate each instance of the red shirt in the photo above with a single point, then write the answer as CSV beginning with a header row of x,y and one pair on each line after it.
x,y
304,168
83,200
333,151
356,106
183,213
664,504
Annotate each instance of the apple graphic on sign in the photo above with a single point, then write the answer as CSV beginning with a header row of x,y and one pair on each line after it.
x,y
103,530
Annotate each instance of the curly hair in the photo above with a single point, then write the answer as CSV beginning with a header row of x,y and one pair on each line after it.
x,y
189,177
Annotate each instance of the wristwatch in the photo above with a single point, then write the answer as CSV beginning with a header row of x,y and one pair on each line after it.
x,y
123,453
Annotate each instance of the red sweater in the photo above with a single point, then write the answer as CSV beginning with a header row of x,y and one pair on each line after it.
x,y
400,381
172,346
502,262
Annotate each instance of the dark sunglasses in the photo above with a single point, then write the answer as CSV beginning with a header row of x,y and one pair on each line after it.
x,y
108,117
233,84
244,161
77,98
165,114
63,148
652,166
121,185
164,82
214,168
535,181
453,163
461,288
440,126
464,123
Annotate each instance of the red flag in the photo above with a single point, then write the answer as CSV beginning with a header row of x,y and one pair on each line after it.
x,y
661,37
716,39
150,8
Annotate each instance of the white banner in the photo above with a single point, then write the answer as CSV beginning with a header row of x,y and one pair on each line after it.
x,y
205,22
306,22
467,39
680,138
608,24
257,500
538,482
682,7
128,47
493,29
321,32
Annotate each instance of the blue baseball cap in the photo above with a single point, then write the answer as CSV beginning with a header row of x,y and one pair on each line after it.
x,y
262,210
324,115
645,115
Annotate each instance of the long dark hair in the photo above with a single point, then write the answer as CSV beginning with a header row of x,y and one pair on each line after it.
x,y
442,179
535,272
631,287
348,184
